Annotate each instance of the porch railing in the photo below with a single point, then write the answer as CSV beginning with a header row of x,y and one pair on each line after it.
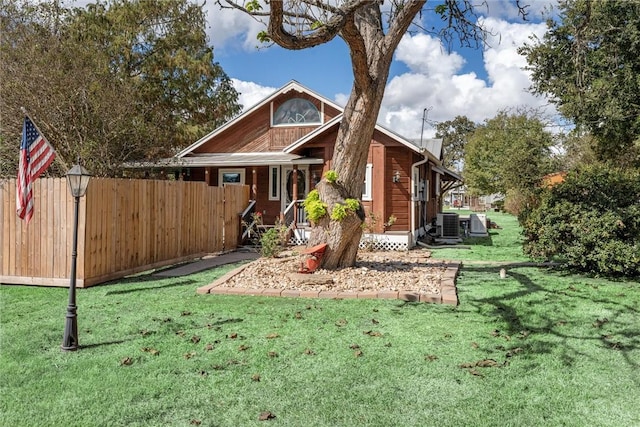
x,y
248,221
295,215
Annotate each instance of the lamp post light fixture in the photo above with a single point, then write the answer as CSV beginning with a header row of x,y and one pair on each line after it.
x,y
78,180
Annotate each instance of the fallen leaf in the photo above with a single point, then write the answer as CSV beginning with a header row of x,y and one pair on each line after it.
x,y
373,333
180,333
145,332
195,339
476,373
272,336
523,334
255,377
486,363
374,321
298,315
189,355
208,347
309,352
186,313
272,354
599,322
265,416
203,373
358,353
243,347
354,346
233,336
495,333
468,365
341,322
195,422
126,361
474,345
431,357
514,351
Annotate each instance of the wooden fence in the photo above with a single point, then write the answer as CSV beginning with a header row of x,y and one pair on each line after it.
x,y
125,227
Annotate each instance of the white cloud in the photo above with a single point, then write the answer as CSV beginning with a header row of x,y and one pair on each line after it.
x,y
231,28
251,93
435,81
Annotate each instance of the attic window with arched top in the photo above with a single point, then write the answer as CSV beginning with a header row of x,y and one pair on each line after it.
x,y
296,111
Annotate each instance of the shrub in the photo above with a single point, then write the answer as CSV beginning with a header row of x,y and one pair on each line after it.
x,y
272,241
591,221
331,176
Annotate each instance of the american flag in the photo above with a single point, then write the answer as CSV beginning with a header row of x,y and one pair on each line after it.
x,y
36,154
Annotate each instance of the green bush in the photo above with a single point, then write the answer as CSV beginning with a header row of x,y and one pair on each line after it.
x,y
331,176
272,241
591,221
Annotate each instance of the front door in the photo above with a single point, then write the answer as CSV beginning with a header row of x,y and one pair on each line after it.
x,y
287,185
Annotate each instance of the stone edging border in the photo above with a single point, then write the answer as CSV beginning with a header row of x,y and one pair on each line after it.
x,y
448,291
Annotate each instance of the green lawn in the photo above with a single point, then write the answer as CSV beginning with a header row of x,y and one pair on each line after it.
x,y
559,350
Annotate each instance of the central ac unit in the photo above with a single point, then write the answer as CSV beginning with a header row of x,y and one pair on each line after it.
x,y
478,225
448,225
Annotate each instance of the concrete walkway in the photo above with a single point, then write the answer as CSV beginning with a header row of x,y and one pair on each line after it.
x,y
209,262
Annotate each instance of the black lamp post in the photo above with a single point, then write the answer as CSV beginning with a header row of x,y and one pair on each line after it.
x,y
78,180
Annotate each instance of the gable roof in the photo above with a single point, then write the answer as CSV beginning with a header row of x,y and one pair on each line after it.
x,y
292,85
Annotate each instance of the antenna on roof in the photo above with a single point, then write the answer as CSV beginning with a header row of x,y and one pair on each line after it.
x,y
425,113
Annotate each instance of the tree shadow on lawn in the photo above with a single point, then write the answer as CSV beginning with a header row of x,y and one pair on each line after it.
x,y
151,288
549,312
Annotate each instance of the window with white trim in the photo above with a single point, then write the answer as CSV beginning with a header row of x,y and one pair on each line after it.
x,y
274,182
231,176
367,185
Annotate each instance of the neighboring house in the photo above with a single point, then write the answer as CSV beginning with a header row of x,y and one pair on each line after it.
x,y
282,146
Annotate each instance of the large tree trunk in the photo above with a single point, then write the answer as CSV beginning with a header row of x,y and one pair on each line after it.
x,y
371,62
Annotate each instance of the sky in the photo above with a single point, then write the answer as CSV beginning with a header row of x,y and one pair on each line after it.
x,y
446,81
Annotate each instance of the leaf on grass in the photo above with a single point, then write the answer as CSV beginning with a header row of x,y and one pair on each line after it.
x,y
373,333
145,332
358,353
272,354
203,373
272,336
374,321
495,333
186,313
431,357
243,347
233,336
195,339
255,377
354,346
474,345
467,365
341,322
189,355
486,363
298,315
208,347
514,351
523,334
126,361
195,422
599,322
265,416
150,350
309,352
476,373
180,333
